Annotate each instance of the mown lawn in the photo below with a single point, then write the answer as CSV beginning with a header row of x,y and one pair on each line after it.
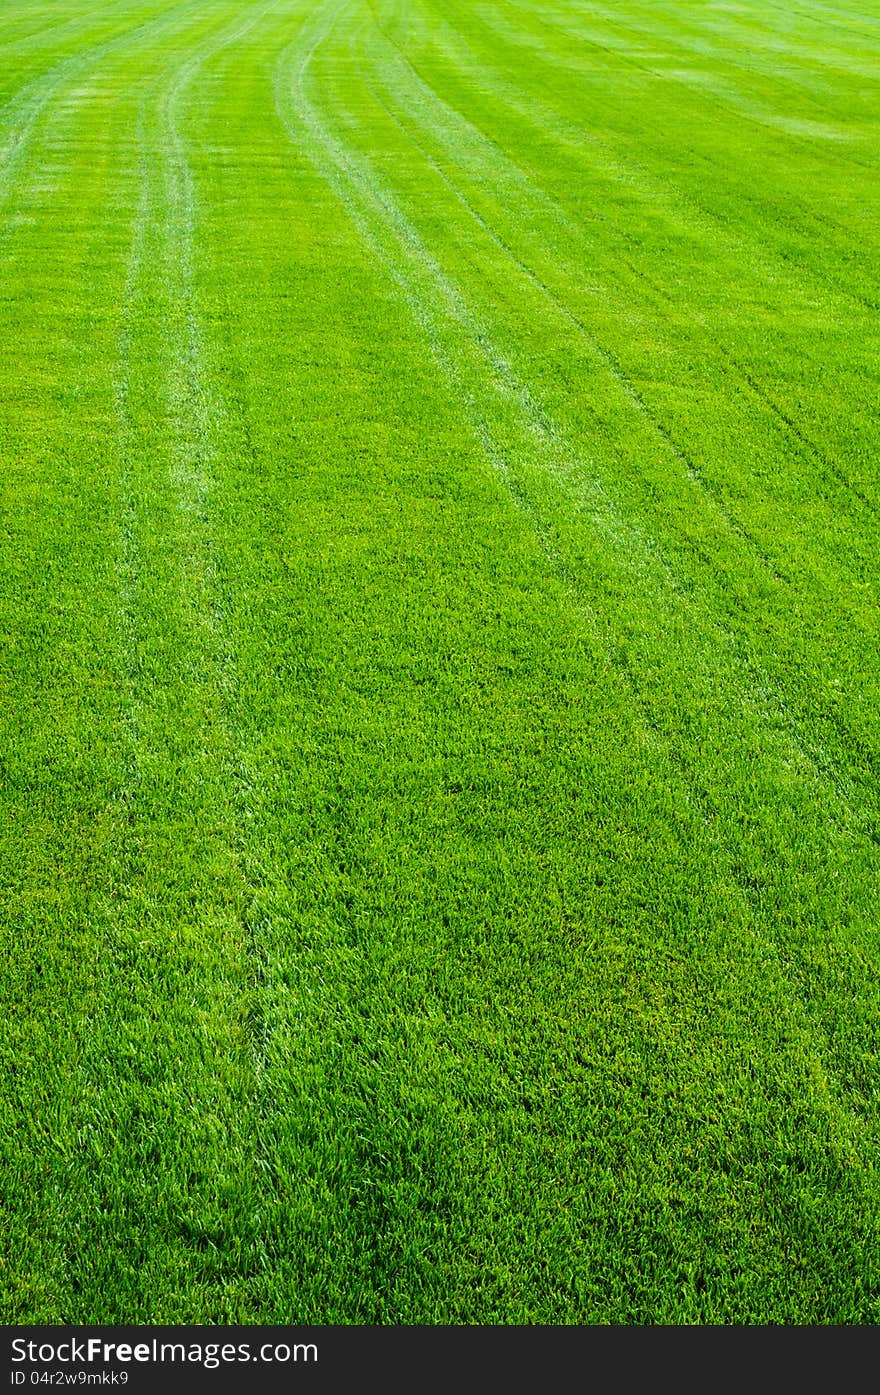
x,y
439,801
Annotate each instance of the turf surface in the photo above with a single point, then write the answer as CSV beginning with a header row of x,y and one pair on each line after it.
x,y
438,661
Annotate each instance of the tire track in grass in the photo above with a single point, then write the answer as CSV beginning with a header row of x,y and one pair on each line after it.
x,y
443,312
571,230
801,440
27,107
623,168
387,252
175,1040
217,1217
825,768
207,413
461,342
516,426
550,122
128,564
810,1021
65,770
332,1121
825,765
21,110
392,257
460,136
171,572
83,1145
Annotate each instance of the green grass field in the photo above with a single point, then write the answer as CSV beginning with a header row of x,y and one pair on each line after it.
x,y
439,680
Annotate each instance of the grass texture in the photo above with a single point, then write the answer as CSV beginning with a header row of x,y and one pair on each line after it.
x,y
439,799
